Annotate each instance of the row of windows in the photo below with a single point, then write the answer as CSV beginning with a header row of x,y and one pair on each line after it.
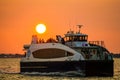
x,y
76,38
51,53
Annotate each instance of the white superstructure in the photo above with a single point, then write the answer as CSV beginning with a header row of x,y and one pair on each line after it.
x,y
50,52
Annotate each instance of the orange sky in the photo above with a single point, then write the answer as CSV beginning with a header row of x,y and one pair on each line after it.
x,y
18,18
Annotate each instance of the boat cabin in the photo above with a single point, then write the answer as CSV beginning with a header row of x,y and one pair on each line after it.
x,y
76,39
71,36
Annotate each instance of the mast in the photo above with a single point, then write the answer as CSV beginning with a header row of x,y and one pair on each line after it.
x,y
79,26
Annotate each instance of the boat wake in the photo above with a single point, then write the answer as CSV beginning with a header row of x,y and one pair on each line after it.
x,y
69,73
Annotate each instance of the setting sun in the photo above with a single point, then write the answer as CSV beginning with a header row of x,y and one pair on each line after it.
x,y
40,28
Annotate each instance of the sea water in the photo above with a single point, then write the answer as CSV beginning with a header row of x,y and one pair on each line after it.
x,y
10,70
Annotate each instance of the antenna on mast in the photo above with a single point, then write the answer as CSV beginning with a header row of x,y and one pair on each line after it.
x,y
79,26
69,25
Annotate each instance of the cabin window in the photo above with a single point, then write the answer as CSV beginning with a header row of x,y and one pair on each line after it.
x,y
77,38
70,38
51,53
68,54
83,38
67,38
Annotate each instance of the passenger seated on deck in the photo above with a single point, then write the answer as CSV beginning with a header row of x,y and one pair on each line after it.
x,y
51,40
63,41
41,40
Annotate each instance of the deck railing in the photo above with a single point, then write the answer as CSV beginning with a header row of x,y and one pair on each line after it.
x,y
100,43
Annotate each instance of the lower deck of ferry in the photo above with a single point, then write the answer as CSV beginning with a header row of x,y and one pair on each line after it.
x,y
86,67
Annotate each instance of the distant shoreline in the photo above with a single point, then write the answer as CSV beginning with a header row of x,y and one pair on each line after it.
x,y
11,55
22,55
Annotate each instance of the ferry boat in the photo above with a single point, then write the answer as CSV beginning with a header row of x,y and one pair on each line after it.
x,y
68,54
